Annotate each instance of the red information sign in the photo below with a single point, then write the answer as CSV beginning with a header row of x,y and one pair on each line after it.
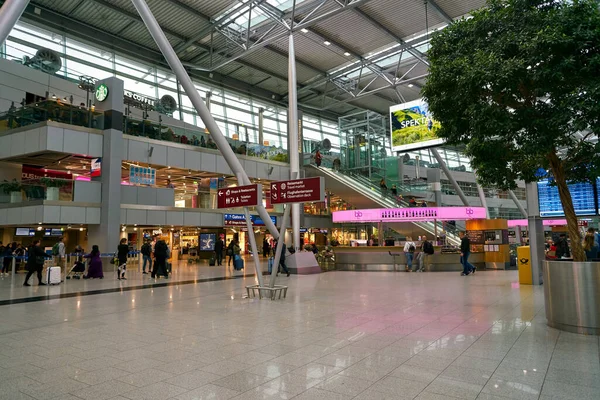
x,y
239,196
298,191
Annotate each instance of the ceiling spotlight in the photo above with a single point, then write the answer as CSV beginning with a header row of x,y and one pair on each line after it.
x,y
347,54
304,30
327,43
80,229
53,96
410,85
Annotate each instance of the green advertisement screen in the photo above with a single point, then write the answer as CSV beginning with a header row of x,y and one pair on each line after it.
x,y
413,127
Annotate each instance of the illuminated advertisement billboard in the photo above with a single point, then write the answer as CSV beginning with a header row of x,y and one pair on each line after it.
x,y
412,127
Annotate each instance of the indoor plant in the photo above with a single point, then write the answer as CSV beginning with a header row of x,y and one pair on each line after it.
x,y
518,85
14,189
53,187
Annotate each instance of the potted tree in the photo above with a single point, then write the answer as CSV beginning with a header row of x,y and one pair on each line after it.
x,y
518,86
52,187
12,188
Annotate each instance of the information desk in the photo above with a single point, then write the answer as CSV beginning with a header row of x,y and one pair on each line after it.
x,y
572,296
377,258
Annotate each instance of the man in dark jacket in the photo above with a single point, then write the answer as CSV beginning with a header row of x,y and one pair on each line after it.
x,y
465,251
161,253
562,247
219,250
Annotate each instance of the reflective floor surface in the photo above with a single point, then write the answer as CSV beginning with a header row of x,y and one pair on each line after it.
x,y
338,335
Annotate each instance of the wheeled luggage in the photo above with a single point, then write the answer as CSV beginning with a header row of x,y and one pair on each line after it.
x,y
52,276
212,262
238,263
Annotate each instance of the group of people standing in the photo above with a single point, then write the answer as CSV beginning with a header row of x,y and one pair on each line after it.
x,y
155,255
7,253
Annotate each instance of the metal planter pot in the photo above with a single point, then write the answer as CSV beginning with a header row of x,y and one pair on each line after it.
x,y
572,296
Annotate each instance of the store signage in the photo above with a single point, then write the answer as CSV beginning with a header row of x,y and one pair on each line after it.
x,y
137,99
142,175
53,232
547,222
239,196
410,214
25,232
298,191
240,220
156,232
101,92
96,167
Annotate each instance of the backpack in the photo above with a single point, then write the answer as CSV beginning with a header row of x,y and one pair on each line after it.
x,y
411,248
55,249
146,249
160,249
428,248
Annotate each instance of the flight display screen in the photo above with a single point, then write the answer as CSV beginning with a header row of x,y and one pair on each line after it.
x,y
550,205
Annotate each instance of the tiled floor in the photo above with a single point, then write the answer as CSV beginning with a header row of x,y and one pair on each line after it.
x,y
338,335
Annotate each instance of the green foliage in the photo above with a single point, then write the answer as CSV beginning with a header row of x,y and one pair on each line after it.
x,y
12,186
50,182
518,83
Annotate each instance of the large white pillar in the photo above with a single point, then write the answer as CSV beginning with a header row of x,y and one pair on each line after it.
x,y
203,111
293,136
10,13
107,234
536,233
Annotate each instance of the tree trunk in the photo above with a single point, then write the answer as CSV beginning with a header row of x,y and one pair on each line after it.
x,y
567,204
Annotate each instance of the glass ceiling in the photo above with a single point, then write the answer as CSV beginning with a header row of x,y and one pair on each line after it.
x,y
238,20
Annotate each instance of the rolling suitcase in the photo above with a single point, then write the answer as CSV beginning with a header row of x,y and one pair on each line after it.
x,y
238,263
52,276
212,262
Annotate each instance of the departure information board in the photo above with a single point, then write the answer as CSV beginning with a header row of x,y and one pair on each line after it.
x,y
550,205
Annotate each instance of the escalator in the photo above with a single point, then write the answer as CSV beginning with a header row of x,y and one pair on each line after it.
x,y
362,193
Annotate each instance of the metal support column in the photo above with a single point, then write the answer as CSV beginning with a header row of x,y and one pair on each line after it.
x,y
293,136
261,126
444,168
483,200
280,246
252,239
536,234
9,15
518,203
203,111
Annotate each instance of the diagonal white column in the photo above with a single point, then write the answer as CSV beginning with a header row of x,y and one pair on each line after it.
x,y
280,246
10,13
188,86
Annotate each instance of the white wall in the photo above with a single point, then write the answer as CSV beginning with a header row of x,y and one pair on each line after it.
x,y
87,192
147,196
17,79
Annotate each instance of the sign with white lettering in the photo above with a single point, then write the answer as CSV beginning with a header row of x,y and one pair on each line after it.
x,y
239,196
298,191
413,127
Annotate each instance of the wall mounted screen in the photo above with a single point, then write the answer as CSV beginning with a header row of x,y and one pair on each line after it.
x,y
550,206
412,127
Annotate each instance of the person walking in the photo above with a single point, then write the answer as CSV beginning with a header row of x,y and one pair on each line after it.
x,y
282,265
146,251
409,252
8,257
383,186
219,251
590,246
161,253
35,262
318,158
426,250
266,249
122,252
95,264
562,247
230,252
465,251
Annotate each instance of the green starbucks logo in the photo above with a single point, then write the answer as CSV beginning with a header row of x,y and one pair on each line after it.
x,y
101,92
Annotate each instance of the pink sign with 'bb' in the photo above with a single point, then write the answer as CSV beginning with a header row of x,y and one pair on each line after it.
x,y
410,214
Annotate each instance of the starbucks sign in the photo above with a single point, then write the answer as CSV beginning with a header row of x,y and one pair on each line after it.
x,y
101,92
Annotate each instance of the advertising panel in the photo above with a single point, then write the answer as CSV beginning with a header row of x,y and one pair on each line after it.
x,y
142,175
412,127
410,214
207,241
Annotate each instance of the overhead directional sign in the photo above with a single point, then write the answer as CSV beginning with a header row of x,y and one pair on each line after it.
x,y
298,191
239,196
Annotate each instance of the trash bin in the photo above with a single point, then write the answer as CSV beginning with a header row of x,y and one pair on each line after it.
x,y
523,261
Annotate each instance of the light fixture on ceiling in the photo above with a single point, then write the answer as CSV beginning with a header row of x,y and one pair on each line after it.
x,y
80,229
53,96
304,30
347,54
327,43
410,85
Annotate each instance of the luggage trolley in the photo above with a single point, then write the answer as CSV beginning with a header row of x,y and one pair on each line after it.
x,y
394,255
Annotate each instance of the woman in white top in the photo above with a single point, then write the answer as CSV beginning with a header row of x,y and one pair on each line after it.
x,y
409,252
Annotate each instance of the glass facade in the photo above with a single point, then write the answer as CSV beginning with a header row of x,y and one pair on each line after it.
x,y
236,114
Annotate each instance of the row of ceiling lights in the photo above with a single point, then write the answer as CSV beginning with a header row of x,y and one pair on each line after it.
x,y
326,42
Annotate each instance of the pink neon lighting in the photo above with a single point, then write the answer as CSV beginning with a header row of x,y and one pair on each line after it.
x,y
547,222
410,214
